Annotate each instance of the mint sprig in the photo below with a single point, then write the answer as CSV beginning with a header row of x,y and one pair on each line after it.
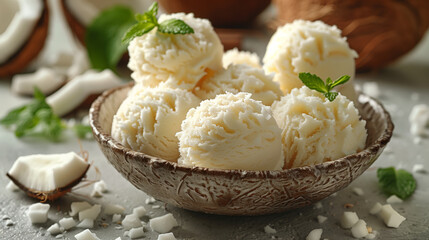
x,y
148,21
314,82
396,182
38,119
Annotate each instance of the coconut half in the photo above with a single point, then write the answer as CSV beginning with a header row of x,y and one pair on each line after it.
x,y
48,176
23,31
80,13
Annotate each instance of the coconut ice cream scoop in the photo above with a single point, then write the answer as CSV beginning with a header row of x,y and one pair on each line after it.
x,y
231,131
305,46
148,120
316,130
176,61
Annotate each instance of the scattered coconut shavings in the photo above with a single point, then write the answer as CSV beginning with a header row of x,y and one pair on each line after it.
x,y
90,213
166,236
371,89
315,234
67,223
390,217
419,120
419,168
9,223
12,187
139,211
45,79
99,189
163,224
116,218
38,213
86,223
269,230
86,235
394,199
358,191
359,229
77,207
111,209
321,219
156,206
375,209
150,200
131,221
54,229
136,233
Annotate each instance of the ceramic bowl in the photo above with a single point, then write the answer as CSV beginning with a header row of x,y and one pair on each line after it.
x,y
237,192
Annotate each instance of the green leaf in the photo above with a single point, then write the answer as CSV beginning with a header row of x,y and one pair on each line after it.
x,y
104,36
339,81
175,26
331,95
313,82
396,182
153,9
82,131
137,30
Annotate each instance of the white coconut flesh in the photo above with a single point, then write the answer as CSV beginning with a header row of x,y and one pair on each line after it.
x,y
48,172
17,21
86,10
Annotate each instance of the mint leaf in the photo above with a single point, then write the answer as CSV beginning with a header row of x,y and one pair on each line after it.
x,y
35,118
104,36
396,182
175,26
313,82
82,131
137,30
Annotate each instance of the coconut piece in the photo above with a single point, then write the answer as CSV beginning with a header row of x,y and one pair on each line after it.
x,y
358,191
38,212
419,120
390,217
76,207
139,211
49,176
86,235
136,233
348,219
116,218
80,64
375,209
111,209
23,31
45,79
359,229
166,236
163,224
393,199
269,230
150,200
419,168
90,213
12,187
315,234
54,229
321,219
86,223
67,223
76,91
99,189
131,221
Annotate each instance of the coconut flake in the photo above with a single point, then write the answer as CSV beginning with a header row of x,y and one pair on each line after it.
x,y
67,223
139,211
315,234
419,168
321,219
86,235
80,88
45,79
150,200
163,224
375,209
90,213
54,229
166,236
359,229
269,230
390,217
136,233
77,207
419,120
9,223
358,191
86,223
394,199
348,219
131,221
111,209
38,212
79,65
116,218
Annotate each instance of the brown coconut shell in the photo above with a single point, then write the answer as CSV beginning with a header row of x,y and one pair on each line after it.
x,y
30,49
45,196
76,27
381,31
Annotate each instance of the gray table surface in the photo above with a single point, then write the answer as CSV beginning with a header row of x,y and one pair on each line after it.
x,y
403,85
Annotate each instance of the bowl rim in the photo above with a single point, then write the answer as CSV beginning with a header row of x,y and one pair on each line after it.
x,y
102,136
